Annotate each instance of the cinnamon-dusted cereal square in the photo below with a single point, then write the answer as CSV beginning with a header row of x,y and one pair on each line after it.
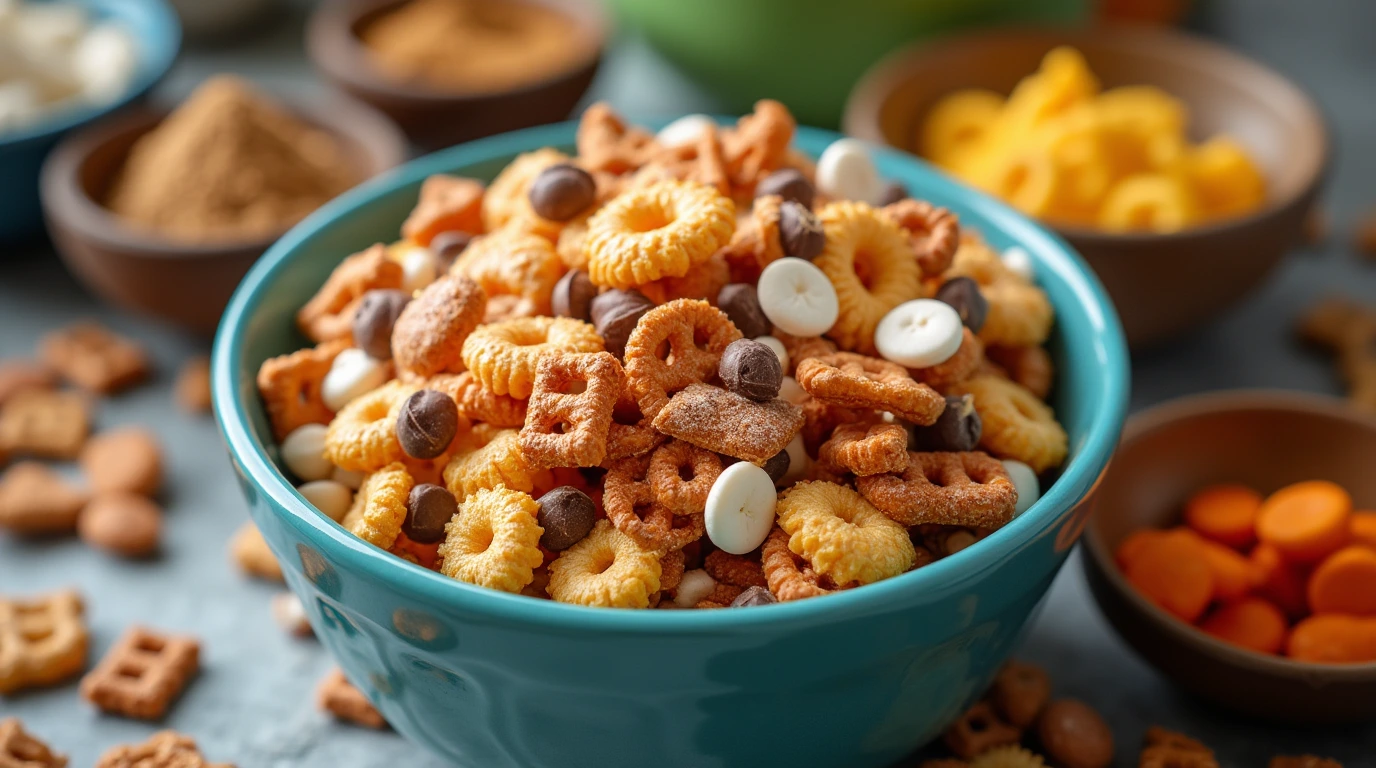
x,y
727,423
142,673
44,423
93,358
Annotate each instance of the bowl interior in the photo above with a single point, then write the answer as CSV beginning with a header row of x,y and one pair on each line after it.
x,y
1087,344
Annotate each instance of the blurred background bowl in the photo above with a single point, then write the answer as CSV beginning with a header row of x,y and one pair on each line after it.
x,y
158,36
1264,440
185,283
809,53
1162,284
210,19
434,118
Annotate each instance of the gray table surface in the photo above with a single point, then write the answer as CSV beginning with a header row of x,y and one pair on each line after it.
x,y
253,702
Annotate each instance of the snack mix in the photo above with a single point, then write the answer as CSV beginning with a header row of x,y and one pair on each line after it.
x,y
691,369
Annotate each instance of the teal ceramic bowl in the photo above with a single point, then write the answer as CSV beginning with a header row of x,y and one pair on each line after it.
x,y
157,33
489,679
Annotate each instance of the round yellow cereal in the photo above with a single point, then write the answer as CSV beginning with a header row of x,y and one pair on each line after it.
x,y
504,355
842,535
605,569
1149,202
662,230
957,124
1226,181
380,506
1017,425
478,465
508,196
493,540
512,263
363,437
870,263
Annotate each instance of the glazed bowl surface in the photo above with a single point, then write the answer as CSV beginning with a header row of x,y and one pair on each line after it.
x,y
486,678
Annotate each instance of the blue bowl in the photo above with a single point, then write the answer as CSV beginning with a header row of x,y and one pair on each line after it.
x,y
485,678
158,35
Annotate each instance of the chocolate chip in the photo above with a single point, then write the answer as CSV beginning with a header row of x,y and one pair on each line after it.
x,y
963,294
893,192
800,231
957,428
428,509
448,245
562,191
777,466
427,424
377,313
751,369
741,303
615,314
754,596
567,515
790,184
573,294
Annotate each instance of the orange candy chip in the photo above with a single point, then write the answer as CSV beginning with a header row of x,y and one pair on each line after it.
x,y
1226,514
1334,639
1345,583
1306,521
1251,622
1173,572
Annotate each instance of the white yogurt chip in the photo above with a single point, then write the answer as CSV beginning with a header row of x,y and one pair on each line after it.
x,y
419,268
845,171
683,131
919,333
797,296
798,460
791,391
303,451
331,497
347,478
353,373
740,508
1019,262
1025,481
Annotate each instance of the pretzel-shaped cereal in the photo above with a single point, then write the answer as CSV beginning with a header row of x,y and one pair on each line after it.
x,y
737,570
607,568
606,143
789,576
290,387
970,489
868,260
1028,366
866,449
800,348
629,502
363,436
503,356
700,161
513,264
676,327
856,381
758,145
567,429
631,433
933,232
380,506
330,312
1019,315
1016,424
508,196
821,419
663,230
499,461
446,203
962,365
477,403
494,540
842,535
665,476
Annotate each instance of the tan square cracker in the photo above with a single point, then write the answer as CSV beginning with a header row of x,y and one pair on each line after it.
x,y
141,675
42,641
94,358
727,423
43,423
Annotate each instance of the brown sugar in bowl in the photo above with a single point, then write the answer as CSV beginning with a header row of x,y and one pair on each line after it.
x,y
1263,440
433,117
185,283
1162,284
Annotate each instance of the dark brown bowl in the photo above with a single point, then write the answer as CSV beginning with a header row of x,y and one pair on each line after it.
x,y
1261,439
185,283
434,118
1163,285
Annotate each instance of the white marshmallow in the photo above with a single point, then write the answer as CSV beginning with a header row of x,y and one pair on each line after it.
x,y
303,451
683,131
797,296
740,508
694,586
778,347
1019,262
18,104
353,373
919,333
1025,481
791,391
419,268
104,62
347,478
332,498
798,460
44,27
845,171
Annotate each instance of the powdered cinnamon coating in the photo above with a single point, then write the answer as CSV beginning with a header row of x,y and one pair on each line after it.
x,y
725,422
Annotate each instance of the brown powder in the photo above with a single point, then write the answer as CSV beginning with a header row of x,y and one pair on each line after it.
x,y
474,45
229,164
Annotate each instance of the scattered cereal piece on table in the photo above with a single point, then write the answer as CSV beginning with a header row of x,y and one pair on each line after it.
x,y
1020,692
44,423
17,375
21,749
979,730
142,674
95,359
250,551
43,640
1074,735
35,500
1008,756
340,698
164,749
121,523
192,386
127,459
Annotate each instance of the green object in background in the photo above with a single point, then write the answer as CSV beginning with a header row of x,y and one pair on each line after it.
x,y
809,53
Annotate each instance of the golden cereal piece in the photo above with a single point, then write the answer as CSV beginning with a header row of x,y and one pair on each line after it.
x,y
842,535
1020,315
500,461
479,404
869,261
605,569
504,356
1016,424
514,264
663,230
1028,366
380,506
363,436
508,196
494,540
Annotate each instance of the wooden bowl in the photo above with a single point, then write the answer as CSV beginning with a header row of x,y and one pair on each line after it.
x,y
1265,440
1162,284
434,118
187,284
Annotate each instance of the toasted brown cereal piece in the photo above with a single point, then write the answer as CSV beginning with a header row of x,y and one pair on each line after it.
x,y
21,749
701,284
566,427
758,145
164,749
607,568
480,404
868,260
481,463
1303,761
515,265
664,354
755,244
429,335
1008,756
788,575
380,506
192,387
1074,735
945,488
504,356
121,523
142,674
35,500
631,433
1028,366
966,362
742,571
933,232
126,459
340,698
93,358
800,348
17,375
663,230
606,143
290,387
329,314
842,535
671,568
446,203
43,640
251,553
979,730
362,437
1168,749
867,449
1016,424
856,381
725,422
493,540
44,423
681,475
822,419
700,161
629,501
720,596
290,614
1020,692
